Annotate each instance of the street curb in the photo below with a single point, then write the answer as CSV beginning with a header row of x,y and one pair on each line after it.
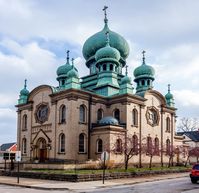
x,y
107,186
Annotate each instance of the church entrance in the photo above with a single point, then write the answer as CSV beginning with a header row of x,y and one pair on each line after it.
x,y
41,150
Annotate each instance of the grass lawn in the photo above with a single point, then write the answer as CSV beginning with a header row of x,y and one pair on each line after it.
x,y
99,171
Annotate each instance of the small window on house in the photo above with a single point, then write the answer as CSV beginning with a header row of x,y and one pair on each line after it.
x,y
82,143
62,113
99,146
99,114
61,143
148,82
24,122
168,123
118,148
117,114
24,146
104,67
82,114
111,67
135,117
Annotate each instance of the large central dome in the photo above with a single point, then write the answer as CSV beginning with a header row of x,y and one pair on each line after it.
x,y
98,40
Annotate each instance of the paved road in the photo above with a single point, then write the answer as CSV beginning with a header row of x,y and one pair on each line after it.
x,y
179,185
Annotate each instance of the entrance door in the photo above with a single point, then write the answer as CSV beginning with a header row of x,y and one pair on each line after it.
x,y
41,150
43,155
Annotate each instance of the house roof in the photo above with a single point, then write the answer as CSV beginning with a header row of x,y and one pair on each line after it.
x,y
193,135
6,146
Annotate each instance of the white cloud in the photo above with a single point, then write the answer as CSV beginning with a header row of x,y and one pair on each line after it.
x,y
187,97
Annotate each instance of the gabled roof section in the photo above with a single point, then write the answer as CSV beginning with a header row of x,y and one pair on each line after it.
x,y
158,95
6,146
38,89
193,135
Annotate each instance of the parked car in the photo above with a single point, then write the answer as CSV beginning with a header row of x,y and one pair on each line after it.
x,y
194,175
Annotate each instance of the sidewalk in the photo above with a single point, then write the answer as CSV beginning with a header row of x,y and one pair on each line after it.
x,y
91,185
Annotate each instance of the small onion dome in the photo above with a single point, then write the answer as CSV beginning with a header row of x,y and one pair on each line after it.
x,y
108,121
126,80
73,73
107,53
24,91
63,70
98,40
144,71
169,96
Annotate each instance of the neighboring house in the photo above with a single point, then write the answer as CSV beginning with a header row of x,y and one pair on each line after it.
x,y
191,140
7,147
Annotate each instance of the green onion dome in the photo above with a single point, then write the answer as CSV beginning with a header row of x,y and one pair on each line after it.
x,y
63,70
144,71
169,96
98,40
108,121
107,52
73,73
126,80
24,91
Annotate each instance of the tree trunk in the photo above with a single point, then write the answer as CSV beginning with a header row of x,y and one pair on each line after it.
x,y
186,161
150,165
126,163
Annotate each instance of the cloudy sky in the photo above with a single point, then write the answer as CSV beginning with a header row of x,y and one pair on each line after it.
x,y
34,37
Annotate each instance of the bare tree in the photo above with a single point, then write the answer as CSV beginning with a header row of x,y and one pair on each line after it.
x,y
188,124
129,146
151,149
192,152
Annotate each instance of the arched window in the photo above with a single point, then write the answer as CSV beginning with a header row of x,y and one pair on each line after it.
x,y
82,114
143,82
168,123
82,143
61,143
99,146
24,122
24,146
99,114
156,148
111,67
118,148
135,144
149,145
168,147
117,114
135,117
62,114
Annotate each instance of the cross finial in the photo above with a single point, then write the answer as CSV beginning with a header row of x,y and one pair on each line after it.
x,y
67,58
169,87
105,14
25,83
107,38
72,60
143,57
126,69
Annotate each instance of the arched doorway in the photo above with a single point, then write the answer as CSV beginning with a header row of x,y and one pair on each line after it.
x,y
41,150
